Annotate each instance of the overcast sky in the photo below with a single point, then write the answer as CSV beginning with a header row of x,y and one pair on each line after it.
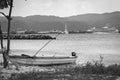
x,y
63,8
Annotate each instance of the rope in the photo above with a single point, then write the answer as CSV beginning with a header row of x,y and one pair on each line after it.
x,y
44,45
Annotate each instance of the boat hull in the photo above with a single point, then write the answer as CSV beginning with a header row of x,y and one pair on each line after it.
x,y
43,61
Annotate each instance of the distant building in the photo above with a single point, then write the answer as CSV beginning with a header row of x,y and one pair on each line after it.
x,y
20,32
55,31
51,32
105,29
43,32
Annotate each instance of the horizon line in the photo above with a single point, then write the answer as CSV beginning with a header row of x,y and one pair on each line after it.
x,y
61,16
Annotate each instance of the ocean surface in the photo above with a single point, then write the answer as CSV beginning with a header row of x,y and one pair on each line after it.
x,y
89,47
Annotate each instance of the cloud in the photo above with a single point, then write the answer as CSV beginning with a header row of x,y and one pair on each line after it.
x,y
59,7
63,7
48,7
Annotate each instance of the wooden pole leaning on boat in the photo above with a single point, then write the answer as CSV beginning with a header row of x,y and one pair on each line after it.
x,y
44,46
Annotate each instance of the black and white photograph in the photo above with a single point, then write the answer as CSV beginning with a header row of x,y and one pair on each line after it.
x,y
59,39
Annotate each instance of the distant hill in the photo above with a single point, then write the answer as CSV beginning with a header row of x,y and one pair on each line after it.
x,y
79,22
99,20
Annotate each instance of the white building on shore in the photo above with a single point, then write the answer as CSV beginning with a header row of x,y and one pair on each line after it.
x,y
105,29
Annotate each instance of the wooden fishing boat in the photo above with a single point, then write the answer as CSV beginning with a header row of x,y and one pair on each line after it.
x,y
43,61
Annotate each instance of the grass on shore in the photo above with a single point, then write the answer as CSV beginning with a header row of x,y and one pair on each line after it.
x,y
89,71
59,76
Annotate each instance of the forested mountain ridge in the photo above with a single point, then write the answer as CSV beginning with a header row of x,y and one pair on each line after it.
x,y
78,22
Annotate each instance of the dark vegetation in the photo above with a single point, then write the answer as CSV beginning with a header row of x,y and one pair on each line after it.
x,y
29,36
89,71
59,76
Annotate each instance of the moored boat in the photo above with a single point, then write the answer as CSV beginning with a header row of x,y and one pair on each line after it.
x,y
43,61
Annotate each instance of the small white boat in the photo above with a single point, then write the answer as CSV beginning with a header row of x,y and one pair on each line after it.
x,y
43,61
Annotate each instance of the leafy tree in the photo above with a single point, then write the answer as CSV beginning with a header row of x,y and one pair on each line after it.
x,y
4,4
7,4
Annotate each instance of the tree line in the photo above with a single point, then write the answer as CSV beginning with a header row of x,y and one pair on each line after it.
x,y
28,36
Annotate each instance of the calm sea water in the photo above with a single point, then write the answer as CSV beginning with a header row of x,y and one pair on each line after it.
x,y
88,46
